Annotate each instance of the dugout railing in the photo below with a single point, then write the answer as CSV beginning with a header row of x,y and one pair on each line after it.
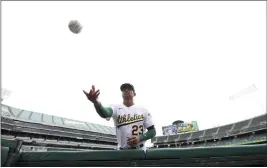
x,y
247,155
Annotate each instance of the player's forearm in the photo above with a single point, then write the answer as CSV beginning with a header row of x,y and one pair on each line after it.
x,y
148,135
104,112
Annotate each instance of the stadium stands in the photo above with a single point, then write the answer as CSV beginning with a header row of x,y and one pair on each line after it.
x,y
37,129
197,135
259,119
46,132
224,130
239,126
209,133
244,132
184,136
173,138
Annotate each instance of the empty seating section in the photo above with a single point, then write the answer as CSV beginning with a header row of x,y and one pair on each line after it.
x,y
50,120
258,120
6,126
7,120
29,133
66,133
184,136
173,138
210,132
33,124
254,127
240,125
161,139
224,129
197,135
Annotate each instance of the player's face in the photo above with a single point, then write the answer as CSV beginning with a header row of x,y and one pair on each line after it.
x,y
127,93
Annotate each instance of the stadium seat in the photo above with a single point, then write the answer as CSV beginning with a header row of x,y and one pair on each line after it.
x,y
184,136
223,130
197,135
173,138
258,120
240,125
208,134
162,139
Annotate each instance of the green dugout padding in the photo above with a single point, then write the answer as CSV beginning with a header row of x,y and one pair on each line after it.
x,y
9,143
242,155
4,155
103,155
152,154
203,152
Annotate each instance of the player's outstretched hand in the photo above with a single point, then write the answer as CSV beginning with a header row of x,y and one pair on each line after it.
x,y
133,141
92,95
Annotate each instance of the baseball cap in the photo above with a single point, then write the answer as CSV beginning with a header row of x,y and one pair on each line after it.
x,y
127,85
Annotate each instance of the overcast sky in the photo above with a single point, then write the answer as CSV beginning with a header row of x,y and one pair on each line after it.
x,y
185,59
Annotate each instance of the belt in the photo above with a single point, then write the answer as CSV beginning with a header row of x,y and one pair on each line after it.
x,y
137,147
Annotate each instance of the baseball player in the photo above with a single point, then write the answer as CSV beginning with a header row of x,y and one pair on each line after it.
x,y
131,121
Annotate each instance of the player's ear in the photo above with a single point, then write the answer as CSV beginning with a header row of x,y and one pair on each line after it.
x,y
134,94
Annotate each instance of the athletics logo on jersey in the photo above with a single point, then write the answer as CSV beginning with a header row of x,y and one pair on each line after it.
x,y
129,119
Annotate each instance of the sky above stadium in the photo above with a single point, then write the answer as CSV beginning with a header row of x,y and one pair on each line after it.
x,y
185,59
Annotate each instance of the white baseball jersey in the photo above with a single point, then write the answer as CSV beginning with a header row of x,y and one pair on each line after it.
x,y
130,121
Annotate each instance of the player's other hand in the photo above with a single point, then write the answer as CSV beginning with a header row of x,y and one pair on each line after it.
x,y
92,95
133,141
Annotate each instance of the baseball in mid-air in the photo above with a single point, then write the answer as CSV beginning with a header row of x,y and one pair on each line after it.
x,y
75,26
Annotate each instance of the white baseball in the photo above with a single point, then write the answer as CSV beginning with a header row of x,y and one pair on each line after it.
x,y
75,26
